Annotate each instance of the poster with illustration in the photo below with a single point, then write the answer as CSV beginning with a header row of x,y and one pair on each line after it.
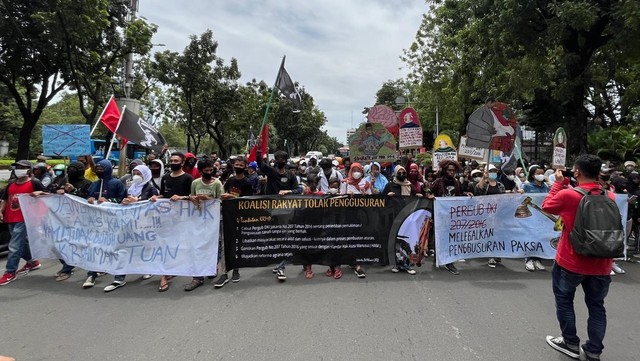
x,y
410,129
492,126
386,116
372,142
443,148
559,149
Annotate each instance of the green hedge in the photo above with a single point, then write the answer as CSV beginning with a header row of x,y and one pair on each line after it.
x,y
6,163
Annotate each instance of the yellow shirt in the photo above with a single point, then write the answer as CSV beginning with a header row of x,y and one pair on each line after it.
x,y
90,175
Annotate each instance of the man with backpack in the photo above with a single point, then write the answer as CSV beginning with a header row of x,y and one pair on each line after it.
x,y
590,217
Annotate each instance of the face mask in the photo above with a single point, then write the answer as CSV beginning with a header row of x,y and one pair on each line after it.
x,y
272,164
493,176
302,168
401,177
155,173
539,177
281,165
521,175
175,167
476,179
357,175
239,170
20,173
605,178
511,177
136,179
333,190
191,162
72,172
58,173
207,175
100,174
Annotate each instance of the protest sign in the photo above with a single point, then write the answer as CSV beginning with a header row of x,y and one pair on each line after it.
x,y
66,140
383,114
443,149
372,142
559,159
467,152
508,226
163,237
260,231
492,126
410,129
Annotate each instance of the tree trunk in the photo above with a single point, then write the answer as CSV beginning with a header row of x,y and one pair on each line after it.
x,y
25,137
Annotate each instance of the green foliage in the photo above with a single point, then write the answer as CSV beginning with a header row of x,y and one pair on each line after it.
x,y
616,144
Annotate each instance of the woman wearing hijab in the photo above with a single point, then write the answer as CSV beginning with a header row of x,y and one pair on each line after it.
x,y
377,180
141,189
157,171
355,183
415,178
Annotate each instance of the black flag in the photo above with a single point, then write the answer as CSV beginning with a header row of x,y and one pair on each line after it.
x,y
137,130
286,86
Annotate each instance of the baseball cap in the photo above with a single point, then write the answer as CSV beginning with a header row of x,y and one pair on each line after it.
x,y
253,165
23,163
41,158
629,163
492,167
476,171
313,157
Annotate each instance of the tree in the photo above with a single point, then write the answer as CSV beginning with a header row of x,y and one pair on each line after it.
x,y
561,62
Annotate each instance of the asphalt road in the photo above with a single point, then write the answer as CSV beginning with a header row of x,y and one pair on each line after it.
x,y
483,314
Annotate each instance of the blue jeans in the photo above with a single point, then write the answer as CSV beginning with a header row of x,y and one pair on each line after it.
x,y
595,290
18,246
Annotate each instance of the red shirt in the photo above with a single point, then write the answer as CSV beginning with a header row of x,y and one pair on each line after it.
x,y
12,212
564,202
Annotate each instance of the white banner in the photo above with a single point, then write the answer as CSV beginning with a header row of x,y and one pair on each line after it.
x,y
162,238
470,152
507,225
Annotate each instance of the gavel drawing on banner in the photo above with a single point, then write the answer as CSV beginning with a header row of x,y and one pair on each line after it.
x,y
523,212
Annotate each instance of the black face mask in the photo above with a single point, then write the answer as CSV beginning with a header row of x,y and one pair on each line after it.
x,y
191,162
207,175
239,170
175,167
281,165
605,178
155,173
401,177
73,173
100,174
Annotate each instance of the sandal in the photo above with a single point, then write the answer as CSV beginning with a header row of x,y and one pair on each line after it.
x,y
329,272
193,285
164,284
62,276
337,273
308,273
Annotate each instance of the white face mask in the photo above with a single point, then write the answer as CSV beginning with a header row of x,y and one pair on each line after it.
x,y
21,172
357,175
511,177
302,168
333,190
136,179
539,177
476,179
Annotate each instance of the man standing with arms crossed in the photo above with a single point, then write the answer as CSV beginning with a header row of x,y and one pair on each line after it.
x,y
571,269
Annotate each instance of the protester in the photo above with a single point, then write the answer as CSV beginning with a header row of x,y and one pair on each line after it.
x,y
571,269
279,181
105,189
253,177
236,186
90,167
415,178
127,178
355,183
508,179
12,215
448,186
190,162
346,162
157,172
59,178
327,172
604,180
78,186
378,181
489,185
140,189
174,186
313,169
204,188
535,184
41,172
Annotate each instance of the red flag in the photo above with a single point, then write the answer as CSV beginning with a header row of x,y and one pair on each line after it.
x,y
264,136
111,116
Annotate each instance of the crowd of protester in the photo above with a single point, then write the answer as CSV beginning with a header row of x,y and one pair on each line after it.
x,y
187,177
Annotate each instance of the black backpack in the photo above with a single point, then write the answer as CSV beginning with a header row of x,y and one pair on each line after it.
x,y
598,230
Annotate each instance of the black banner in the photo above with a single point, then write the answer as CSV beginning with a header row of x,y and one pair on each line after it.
x,y
337,230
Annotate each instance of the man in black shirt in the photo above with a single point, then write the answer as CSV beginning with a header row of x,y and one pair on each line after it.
x,y
175,186
279,181
236,186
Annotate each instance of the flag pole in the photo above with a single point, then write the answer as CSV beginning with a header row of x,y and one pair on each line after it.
x,y
273,91
113,138
100,117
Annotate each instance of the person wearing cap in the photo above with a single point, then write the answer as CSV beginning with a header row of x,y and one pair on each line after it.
x,y
475,178
12,215
313,169
489,185
629,166
59,177
41,172
253,177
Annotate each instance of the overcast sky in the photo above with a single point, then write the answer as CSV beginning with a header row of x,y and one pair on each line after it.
x,y
340,51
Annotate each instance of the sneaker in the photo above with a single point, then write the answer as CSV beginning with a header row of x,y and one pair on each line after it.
x,y
146,277
558,344
193,285
617,269
275,270
492,263
360,272
280,275
114,285
235,276
452,268
585,356
28,267
222,280
539,265
612,273
7,278
395,270
410,271
100,274
529,266
90,282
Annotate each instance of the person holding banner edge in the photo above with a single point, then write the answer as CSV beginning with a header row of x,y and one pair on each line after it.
x,y
280,181
535,184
